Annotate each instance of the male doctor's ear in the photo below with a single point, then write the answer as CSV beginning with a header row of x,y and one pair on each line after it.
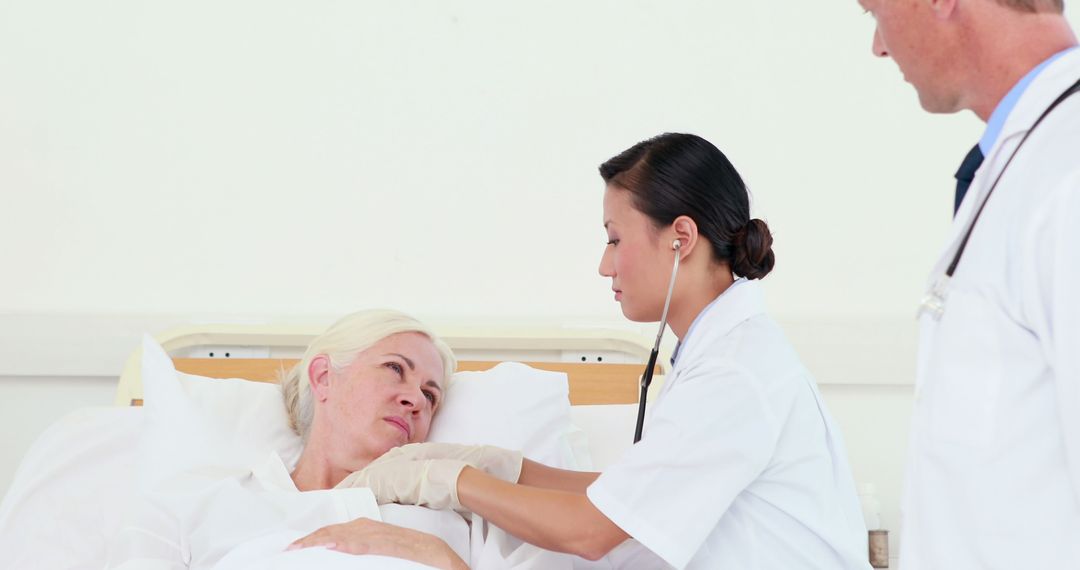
x,y
943,9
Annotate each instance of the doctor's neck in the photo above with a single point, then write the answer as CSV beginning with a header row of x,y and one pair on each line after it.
x,y
692,295
1001,46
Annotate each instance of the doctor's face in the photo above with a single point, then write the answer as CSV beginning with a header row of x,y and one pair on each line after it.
x,y
638,264
919,40
385,398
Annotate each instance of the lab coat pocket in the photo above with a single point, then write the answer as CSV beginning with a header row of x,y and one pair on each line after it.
x,y
959,395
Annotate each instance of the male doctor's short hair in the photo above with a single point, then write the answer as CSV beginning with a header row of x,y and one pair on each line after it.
x,y
346,338
1035,6
676,174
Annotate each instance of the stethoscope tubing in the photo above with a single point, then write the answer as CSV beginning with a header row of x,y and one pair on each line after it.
x,y
646,378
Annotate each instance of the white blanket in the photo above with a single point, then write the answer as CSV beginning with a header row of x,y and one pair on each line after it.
x,y
268,553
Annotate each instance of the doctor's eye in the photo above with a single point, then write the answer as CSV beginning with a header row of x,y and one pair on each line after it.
x,y
613,242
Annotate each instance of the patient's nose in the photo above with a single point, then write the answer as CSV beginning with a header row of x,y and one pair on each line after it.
x,y
411,398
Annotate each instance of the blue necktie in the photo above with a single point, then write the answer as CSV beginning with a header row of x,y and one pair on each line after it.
x,y
966,174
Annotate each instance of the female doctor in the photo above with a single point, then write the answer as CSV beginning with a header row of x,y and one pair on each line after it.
x,y
740,465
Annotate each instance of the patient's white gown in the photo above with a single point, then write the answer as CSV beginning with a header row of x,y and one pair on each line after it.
x,y
213,520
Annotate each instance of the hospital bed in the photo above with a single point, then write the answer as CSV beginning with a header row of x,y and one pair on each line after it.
x,y
572,406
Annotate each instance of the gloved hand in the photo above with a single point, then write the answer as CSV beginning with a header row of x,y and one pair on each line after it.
x,y
395,478
495,461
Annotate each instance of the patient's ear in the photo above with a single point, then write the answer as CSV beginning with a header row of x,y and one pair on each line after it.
x,y
319,377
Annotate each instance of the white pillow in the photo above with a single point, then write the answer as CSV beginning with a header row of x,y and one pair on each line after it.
x,y
511,406
213,427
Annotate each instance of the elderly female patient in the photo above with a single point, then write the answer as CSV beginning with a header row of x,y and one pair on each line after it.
x,y
370,383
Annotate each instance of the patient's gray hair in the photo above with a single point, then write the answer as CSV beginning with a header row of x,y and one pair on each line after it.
x,y
341,342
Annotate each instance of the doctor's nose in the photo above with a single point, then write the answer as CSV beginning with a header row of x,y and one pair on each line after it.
x,y
607,268
878,45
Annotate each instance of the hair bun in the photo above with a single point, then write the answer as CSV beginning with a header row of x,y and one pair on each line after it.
x,y
753,254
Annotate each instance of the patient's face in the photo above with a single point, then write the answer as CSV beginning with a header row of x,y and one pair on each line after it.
x,y
385,398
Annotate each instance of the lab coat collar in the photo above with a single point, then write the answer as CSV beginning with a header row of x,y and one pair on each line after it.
x,y
1044,88
739,302
1008,103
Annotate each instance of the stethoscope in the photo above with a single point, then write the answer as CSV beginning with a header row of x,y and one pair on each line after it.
x,y
646,378
933,303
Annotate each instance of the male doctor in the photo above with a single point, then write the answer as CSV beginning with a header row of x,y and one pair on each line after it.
x,y
993,479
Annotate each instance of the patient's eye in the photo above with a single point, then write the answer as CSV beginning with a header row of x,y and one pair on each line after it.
x,y
397,368
432,399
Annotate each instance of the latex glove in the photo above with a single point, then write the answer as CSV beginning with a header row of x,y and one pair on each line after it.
x,y
395,478
495,461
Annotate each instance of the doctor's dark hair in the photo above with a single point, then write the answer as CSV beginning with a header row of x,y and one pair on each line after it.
x,y
677,174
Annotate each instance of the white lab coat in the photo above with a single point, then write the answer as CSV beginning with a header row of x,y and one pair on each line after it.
x,y
993,478
740,465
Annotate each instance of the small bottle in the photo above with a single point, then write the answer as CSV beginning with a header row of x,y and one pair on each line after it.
x,y
879,548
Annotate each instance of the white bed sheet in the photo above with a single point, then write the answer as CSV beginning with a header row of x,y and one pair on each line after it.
x,y
73,490
67,497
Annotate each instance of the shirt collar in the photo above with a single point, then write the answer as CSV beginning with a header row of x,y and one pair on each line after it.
x,y
742,300
1005,107
272,474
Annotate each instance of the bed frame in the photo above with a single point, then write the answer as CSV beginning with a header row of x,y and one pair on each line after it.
x,y
603,366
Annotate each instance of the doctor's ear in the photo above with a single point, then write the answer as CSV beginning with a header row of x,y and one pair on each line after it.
x,y
319,377
686,234
942,9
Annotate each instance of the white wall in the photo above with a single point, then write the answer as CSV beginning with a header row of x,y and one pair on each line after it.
x,y
245,159
277,157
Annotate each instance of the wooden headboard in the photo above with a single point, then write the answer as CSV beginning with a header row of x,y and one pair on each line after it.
x,y
590,383
613,380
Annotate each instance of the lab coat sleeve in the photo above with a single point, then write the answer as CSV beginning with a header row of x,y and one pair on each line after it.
x,y
1053,301
708,438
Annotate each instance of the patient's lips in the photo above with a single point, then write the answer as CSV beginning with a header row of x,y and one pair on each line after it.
x,y
401,424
